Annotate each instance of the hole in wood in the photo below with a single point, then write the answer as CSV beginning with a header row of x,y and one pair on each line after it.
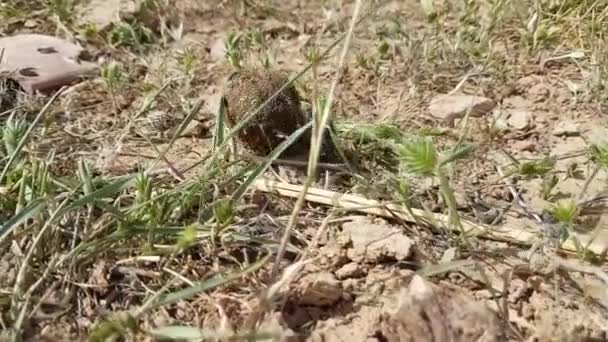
x,y
47,50
28,72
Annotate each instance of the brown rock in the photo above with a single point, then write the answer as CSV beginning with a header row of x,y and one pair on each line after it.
x,y
451,107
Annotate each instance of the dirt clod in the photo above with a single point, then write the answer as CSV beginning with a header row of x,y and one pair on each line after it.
x,y
449,316
350,270
374,241
319,289
566,128
539,92
520,119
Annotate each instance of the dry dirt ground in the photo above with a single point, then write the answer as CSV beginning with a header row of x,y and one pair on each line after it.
x,y
539,77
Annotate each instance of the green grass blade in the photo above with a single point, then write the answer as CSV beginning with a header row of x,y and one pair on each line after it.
x,y
104,192
27,213
220,123
462,152
208,284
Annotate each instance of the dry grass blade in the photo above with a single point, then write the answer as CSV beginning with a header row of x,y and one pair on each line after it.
x,y
197,107
18,287
431,270
373,207
195,334
316,143
208,284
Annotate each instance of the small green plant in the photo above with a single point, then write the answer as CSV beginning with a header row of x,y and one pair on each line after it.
x,y
114,77
419,156
13,131
548,184
564,212
62,9
469,23
88,32
132,35
223,211
187,238
9,11
118,325
255,39
536,168
143,189
369,63
233,49
189,62
599,154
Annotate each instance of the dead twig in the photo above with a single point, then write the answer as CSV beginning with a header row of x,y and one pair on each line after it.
x,y
364,205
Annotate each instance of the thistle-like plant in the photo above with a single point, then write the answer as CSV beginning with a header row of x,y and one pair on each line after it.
x,y
419,156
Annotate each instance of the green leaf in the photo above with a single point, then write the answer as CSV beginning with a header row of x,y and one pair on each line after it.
x,y
428,8
102,193
461,152
15,153
223,210
599,154
220,123
564,211
31,210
